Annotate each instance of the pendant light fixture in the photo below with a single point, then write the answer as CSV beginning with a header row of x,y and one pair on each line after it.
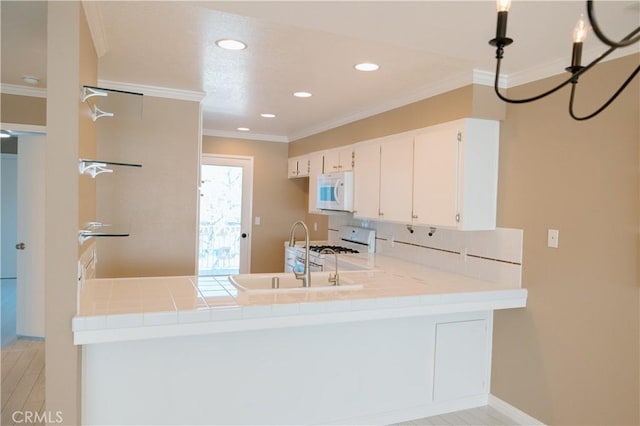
x,y
576,69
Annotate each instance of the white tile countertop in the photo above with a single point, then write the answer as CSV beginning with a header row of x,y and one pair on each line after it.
x,y
111,310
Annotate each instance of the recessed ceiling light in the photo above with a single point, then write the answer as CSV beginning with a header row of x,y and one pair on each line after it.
x,y
367,66
29,79
243,129
231,44
267,115
302,95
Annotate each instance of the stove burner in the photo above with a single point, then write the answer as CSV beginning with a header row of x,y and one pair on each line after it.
x,y
337,249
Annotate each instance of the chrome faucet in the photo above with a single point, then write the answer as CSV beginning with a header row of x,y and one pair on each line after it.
x,y
305,275
335,278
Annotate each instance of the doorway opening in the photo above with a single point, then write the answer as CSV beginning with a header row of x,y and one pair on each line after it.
x,y
224,243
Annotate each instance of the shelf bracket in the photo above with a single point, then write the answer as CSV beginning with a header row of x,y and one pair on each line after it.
x,y
93,168
89,92
98,113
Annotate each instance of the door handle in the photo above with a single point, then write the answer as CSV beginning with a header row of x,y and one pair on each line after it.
x,y
20,246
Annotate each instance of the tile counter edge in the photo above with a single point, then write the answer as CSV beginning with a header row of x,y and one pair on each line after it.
x,y
127,327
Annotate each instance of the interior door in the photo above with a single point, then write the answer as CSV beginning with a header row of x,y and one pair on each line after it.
x,y
30,319
9,192
224,244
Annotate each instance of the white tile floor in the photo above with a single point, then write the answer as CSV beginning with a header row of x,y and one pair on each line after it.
x,y
480,416
22,387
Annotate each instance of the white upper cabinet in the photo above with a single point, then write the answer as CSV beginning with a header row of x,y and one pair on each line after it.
x,y
293,168
298,167
456,175
396,178
338,160
316,161
366,178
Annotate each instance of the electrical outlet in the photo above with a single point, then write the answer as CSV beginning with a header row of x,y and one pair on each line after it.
x,y
552,238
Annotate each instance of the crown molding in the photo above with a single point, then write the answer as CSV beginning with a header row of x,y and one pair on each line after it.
x,y
155,91
558,66
93,15
488,78
432,89
245,135
14,89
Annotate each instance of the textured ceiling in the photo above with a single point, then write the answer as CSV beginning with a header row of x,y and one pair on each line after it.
x,y
311,46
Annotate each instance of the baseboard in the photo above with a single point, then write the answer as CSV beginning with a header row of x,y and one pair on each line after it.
x,y
520,417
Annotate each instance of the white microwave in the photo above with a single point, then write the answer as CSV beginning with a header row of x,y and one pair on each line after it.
x,y
335,191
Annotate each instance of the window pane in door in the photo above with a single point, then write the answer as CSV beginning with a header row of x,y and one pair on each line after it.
x,y
220,220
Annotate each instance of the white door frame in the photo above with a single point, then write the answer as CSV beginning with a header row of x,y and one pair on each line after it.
x,y
247,202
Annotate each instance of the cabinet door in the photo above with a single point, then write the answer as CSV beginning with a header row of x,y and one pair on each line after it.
x,y
315,169
396,178
436,165
366,176
345,157
461,360
293,168
303,166
332,161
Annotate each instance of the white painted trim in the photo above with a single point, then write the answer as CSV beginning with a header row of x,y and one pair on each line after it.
x,y
432,89
93,15
520,417
487,78
15,89
155,91
558,66
245,135
28,128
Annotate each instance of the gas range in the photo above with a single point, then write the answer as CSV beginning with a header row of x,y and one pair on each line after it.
x,y
336,248
351,240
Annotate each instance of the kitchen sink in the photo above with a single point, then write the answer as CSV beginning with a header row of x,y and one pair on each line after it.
x,y
289,283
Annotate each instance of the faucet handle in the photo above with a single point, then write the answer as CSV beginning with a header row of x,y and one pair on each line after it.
x,y
334,278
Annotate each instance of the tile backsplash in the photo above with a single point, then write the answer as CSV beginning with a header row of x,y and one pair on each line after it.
x,y
494,256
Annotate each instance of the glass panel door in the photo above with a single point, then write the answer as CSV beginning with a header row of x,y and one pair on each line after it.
x,y
224,214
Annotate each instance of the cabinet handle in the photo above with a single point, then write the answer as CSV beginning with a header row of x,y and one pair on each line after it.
x,y
380,214
335,167
339,166
415,216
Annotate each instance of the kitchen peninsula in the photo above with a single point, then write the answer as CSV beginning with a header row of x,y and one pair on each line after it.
x,y
412,342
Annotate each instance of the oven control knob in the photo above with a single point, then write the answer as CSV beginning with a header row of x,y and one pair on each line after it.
x,y
243,235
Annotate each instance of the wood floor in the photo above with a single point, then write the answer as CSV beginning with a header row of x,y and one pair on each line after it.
x,y
22,386
23,391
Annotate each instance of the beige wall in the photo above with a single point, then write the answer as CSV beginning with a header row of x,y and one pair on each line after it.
x,y
67,130
23,109
571,357
469,101
87,143
277,200
156,202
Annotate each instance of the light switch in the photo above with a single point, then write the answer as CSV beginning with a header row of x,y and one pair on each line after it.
x,y
552,238
257,221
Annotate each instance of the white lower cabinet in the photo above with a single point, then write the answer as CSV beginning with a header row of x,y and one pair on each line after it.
x,y
462,359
